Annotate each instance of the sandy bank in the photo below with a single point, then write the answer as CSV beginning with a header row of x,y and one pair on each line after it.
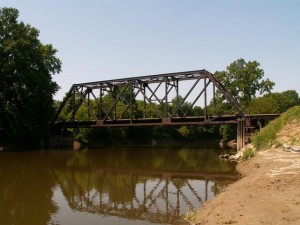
x,y
268,193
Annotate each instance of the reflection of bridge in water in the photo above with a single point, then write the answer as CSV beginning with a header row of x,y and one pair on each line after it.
x,y
159,197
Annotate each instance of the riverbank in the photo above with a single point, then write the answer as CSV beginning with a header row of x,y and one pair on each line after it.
x,y
267,193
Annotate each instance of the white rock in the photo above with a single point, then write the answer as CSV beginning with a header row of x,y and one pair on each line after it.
x,y
286,146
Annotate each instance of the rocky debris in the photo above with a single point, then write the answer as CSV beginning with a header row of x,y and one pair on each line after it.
x,y
232,144
295,149
234,157
224,156
238,155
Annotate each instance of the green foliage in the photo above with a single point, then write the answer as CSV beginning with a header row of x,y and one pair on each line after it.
x,y
228,132
190,215
244,80
257,165
80,134
26,86
274,102
262,105
184,108
248,154
267,136
184,132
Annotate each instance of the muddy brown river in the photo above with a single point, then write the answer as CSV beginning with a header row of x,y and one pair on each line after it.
x,y
115,185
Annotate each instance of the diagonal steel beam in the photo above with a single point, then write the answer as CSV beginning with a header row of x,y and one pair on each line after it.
x,y
116,102
186,96
150,102
82,96
196,99
129,104
229,97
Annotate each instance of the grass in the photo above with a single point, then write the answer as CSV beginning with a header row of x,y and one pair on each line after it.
x,y
190,216
248,153
267,136
257,165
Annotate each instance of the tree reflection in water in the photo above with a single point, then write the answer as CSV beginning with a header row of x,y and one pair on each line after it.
x,y
25,189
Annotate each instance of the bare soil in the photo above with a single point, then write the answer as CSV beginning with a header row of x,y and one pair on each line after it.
x,y
268,193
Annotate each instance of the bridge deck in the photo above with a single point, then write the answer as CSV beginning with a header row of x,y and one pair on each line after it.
x,y
151,122
176,121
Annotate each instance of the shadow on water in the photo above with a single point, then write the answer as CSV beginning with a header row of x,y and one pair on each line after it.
x,y
115,185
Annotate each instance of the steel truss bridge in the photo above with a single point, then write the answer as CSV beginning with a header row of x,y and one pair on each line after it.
x,y
153,100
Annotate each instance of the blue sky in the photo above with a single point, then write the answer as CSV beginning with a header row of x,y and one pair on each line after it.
x,y
101,40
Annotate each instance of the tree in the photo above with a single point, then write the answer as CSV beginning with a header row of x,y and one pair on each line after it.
x,y
244,80
274,102
264,104
26,86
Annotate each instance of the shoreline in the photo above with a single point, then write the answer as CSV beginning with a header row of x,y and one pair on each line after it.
x,y
267,193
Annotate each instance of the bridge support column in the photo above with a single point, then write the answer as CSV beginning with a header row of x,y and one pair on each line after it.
x,y
240,133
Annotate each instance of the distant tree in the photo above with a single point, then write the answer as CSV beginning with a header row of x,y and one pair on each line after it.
x,y
227,132
26,86
265,104
244,80
184,108
286,100
274,102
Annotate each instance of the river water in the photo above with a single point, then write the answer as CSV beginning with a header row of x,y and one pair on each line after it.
x,y
117,185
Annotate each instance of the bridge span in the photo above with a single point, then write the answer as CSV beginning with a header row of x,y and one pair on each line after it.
x,y
181,98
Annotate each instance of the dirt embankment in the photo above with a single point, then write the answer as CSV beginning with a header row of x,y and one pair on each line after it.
x,y
268,193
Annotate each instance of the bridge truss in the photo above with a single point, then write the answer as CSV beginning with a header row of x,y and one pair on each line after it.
x,y
163,99
181,98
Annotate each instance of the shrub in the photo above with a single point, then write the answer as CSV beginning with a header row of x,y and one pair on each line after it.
x,y
267,136
248,153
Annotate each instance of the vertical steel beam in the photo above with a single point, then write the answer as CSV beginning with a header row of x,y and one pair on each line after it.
x,y
177,95
101,101
166,97
88,104
205,98
144,103
214,99
131,103
116,102
73,102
